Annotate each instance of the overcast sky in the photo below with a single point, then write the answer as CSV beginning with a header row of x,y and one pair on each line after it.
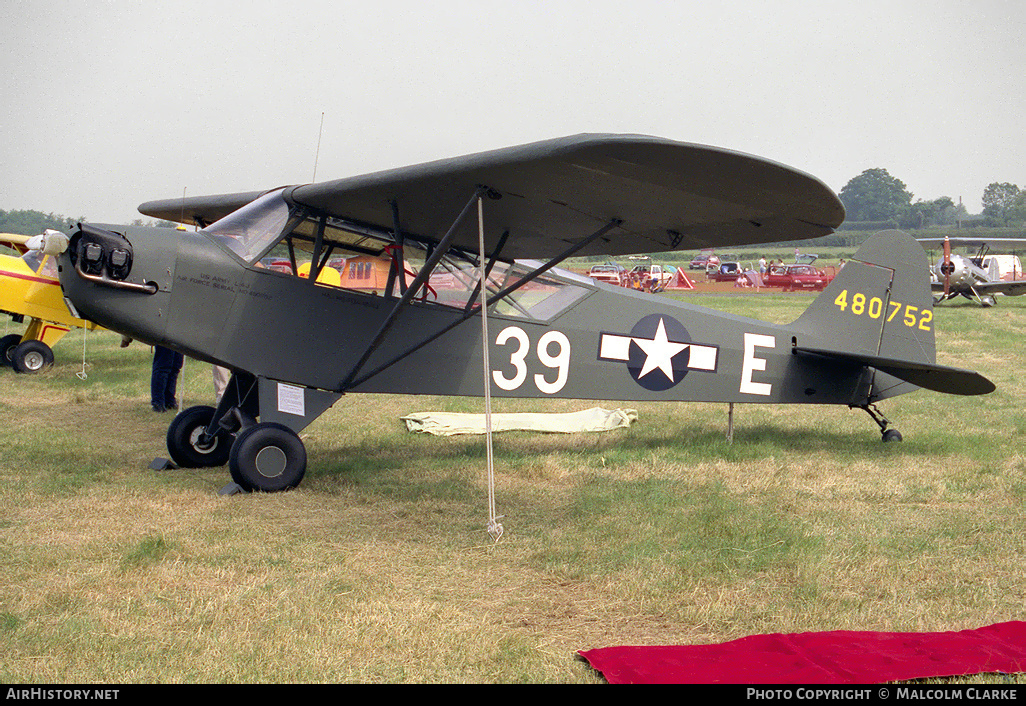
x,y
109,104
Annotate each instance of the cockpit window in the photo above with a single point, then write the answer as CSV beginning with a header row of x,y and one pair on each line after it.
x,y
267,235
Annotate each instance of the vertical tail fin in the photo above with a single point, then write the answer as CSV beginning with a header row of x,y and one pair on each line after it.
x,y
879,304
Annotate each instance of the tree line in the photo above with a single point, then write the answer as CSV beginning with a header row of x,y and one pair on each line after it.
x,y
874,197
35,222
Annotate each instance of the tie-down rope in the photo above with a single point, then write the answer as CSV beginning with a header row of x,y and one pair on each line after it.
x,y
494,526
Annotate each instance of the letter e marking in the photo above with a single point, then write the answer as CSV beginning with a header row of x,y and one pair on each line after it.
x,y
751,363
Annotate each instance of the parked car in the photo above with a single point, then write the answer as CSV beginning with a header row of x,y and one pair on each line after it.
x,y
608,273
793,278
702,262
727,272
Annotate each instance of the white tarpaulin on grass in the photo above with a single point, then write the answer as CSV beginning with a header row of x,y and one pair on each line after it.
x,y
588,420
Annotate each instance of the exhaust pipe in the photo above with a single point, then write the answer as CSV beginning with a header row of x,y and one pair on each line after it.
x,y
105,258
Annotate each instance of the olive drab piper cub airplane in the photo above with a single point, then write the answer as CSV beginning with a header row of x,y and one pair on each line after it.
x,y
296,345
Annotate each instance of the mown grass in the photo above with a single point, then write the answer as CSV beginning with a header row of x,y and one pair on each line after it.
x,y
378,568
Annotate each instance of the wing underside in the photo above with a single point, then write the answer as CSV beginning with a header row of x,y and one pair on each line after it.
x,y
662,195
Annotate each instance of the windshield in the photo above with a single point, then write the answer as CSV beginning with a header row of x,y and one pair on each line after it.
x,y
32,258
250,230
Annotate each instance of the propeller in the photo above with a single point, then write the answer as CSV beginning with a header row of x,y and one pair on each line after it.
x,y
51,242
947,267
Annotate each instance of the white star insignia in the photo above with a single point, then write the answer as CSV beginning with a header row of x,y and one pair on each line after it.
x,y
659,353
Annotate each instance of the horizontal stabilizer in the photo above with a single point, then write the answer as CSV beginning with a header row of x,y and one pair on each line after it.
x,y
939,378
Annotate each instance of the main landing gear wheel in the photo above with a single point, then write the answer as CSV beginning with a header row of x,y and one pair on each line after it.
x,y
267,457
31,357
7,345
185,441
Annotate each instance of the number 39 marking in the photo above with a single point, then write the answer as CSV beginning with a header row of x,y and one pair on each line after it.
x,y
559,361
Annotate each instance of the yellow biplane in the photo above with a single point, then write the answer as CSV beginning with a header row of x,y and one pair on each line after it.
x,y
29,289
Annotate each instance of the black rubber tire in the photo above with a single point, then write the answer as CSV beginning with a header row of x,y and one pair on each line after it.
x,y
7,345
892,435
182,440
267,457
31,357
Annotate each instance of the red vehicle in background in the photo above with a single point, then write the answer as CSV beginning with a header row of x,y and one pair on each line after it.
x,y
795,278
703,262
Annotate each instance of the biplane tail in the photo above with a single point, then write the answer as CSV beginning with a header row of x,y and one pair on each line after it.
x,y
878,311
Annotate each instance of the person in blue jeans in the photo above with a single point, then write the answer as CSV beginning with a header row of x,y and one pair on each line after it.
x,y
164,379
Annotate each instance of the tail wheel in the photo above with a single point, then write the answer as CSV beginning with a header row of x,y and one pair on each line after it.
x,y
185,442
31,357
267,457
7,345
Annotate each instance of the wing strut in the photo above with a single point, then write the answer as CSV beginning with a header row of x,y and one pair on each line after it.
x,y
398,265
422,277
350,382
487,272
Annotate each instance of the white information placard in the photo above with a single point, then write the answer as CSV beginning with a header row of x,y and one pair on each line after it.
x,y
291,400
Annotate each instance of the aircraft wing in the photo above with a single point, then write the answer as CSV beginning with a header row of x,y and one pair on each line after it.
x,y
198,210
975,242
1012,288
549,195
14,241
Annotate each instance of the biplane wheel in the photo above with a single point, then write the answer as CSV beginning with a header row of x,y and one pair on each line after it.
x,y
988,300
7,346
31,357
183,440
892,435
268,457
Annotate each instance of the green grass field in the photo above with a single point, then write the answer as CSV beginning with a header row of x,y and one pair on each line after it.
x,y
378,568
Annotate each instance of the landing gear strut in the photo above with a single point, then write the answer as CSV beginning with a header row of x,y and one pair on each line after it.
x,y
889,434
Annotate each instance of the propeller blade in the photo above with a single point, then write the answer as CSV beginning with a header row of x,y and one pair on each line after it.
x,y
947,267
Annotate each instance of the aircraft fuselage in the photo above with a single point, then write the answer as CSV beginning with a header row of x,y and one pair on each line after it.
x,y
605,343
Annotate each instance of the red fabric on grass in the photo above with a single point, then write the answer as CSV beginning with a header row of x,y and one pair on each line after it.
x,y
842,656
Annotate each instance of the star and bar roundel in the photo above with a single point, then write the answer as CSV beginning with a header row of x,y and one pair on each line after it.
x,y
658,352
